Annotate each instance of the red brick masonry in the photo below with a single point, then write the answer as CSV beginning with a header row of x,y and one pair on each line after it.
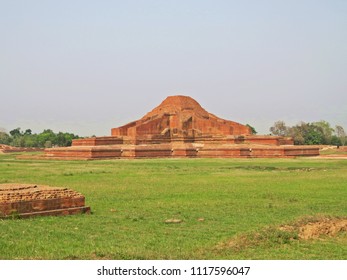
x,y
180,127
25,200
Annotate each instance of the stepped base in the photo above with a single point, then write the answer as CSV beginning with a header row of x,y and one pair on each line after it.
x,y
180,150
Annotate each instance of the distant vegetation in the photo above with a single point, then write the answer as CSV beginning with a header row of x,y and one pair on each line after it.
x,y
45,139
316,133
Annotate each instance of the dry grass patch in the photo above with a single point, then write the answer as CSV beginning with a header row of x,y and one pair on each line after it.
x,y
305,229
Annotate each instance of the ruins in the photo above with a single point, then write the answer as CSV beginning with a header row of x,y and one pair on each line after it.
x,y
180,127
29,200
10,149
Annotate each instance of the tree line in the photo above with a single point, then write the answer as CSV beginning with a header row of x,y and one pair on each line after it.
x,y
315,133
46,139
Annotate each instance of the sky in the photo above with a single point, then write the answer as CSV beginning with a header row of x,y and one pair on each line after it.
x,y
86,66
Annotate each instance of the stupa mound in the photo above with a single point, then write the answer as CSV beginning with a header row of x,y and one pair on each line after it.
x,y
180,116
27,200
180,127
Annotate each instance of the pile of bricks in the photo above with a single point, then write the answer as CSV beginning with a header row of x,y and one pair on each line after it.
x,y
25,200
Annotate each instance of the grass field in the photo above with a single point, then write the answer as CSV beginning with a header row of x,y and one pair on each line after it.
x,y
228,208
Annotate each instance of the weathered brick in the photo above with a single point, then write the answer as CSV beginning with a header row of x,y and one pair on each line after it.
x,y
180,127
20,199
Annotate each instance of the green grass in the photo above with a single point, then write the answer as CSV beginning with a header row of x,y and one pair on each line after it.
x,y
334,152
218,200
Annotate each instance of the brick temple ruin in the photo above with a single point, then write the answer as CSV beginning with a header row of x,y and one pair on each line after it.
x,y
28,200
180,127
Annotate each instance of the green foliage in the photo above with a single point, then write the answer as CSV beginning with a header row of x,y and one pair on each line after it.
x,y
28,132
336,141
48,144
312,134
15,132
316,133
326,130
45,139
252,129
217,200
5,138
340,134
279,128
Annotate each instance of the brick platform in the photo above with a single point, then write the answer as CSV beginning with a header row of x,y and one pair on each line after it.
x,y
11,149
27,200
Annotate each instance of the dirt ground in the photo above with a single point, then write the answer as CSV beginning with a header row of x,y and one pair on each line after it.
x,y
326,227
320,228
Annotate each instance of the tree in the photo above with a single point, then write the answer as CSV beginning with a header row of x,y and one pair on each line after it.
x,y
18,141
30,140
314,135
340,133
15,132
335,141
297,133
46,135
47,138
326,129
5,138
279,128
48,144
306,134
253,131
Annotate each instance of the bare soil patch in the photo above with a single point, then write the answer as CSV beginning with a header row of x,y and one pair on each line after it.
x,y
317,229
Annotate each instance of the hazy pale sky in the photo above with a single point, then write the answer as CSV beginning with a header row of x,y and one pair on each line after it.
x,y
86,66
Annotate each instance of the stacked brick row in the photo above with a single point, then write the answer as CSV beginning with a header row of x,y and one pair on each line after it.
x,y
182,150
